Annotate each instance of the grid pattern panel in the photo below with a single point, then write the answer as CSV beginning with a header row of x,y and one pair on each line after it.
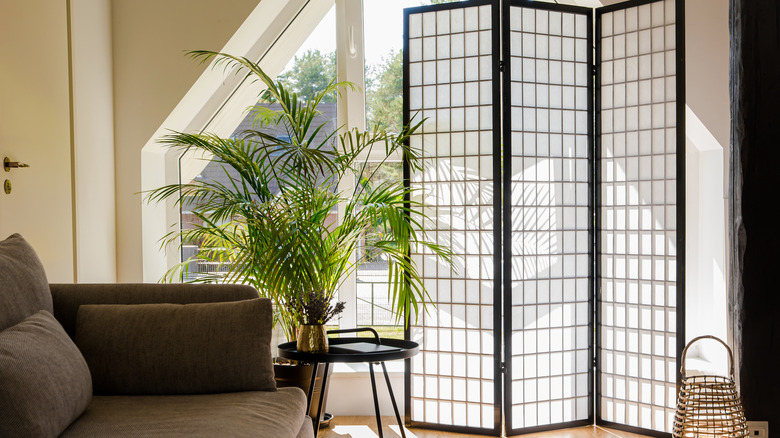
x,y
638,215
550,216
451,85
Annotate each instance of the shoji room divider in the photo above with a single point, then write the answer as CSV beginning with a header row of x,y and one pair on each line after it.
x,y
558,182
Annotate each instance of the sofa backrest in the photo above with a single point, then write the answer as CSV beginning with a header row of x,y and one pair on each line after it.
x,y
176,349
24,289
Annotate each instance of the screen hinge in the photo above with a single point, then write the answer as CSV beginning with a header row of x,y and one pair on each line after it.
x,y
502,367
501,66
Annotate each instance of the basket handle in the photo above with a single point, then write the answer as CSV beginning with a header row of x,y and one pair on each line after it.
x,y
685,350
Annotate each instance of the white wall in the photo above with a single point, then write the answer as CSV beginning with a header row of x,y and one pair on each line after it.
x,y
349,391
35,128
707,135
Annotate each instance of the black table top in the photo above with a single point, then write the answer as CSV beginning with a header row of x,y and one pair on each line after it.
x,y
401,349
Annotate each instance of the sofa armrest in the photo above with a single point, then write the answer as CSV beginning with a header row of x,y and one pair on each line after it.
x,y
68,297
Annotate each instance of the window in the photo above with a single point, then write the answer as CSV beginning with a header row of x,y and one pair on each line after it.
x,y
382,24
372,299
311,68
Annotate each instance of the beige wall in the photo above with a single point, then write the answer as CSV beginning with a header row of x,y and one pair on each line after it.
x,y
707,64
151,75
93,141
35,127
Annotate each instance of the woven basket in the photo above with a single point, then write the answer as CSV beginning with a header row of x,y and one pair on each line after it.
x,y
709,406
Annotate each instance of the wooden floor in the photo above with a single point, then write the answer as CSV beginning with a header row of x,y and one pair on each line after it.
x,y
365,427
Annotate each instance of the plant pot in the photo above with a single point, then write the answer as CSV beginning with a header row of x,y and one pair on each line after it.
x,y
299,375
312,338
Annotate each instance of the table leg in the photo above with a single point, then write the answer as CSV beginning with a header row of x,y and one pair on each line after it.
x,y
392,398
316,420
310,394
376,400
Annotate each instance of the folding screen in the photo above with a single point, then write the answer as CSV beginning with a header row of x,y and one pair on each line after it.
x,y
557,184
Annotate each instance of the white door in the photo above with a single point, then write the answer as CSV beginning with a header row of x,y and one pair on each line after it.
x,y
35,128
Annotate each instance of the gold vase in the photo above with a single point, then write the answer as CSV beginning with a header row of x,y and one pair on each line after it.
x,y
312,338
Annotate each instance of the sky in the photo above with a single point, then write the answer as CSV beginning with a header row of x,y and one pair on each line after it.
x,y
384,29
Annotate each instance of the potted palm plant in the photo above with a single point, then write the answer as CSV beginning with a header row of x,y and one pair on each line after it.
x,y
270,226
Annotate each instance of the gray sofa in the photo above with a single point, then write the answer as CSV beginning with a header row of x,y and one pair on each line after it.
x,y
136,360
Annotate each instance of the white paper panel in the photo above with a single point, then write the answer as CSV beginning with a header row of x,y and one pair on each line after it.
x,y
451,85
638,216
550,200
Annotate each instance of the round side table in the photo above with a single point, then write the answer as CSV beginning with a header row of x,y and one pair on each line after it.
x,y
354,350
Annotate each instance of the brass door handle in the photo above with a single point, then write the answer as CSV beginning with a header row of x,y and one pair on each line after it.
x,y
8,164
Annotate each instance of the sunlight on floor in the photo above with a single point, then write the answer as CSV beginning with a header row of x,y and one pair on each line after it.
x,y
355,431
365,427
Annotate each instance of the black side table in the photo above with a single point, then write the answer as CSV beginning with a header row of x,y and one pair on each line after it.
x,y
352,350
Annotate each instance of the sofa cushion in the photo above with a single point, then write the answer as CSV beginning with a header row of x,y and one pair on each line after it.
x,y
68,298
44,380
239,414
178,349
25,289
